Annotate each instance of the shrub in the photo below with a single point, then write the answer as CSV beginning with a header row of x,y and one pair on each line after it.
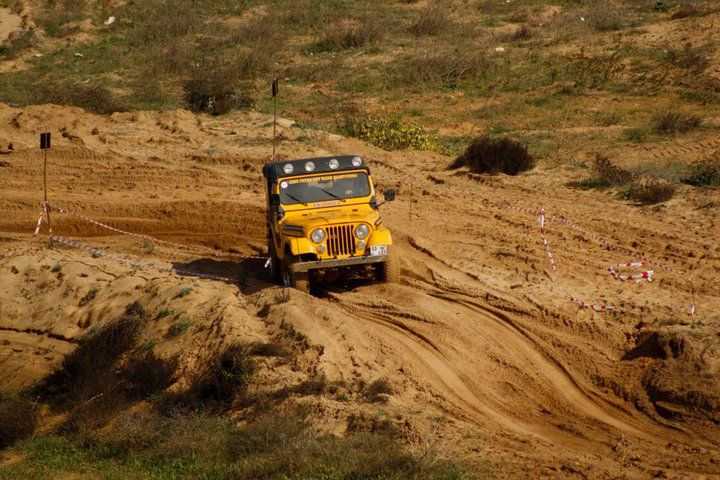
x,y
375,391
432,21
676,122
704,174
686,10
495,155
17,420
179,327
224,375
348,34
149,374
212,85
445,69
522,33
604,17
388,133
650,192
610,173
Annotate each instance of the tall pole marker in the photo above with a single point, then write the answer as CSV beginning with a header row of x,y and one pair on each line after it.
x,y
44,147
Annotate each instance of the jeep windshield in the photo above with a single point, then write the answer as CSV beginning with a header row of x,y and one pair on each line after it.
x,y
323,188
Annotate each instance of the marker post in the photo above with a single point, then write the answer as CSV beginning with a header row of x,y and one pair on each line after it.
x,y
44,147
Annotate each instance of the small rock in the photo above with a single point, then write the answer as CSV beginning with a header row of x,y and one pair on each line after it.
x,y
110,21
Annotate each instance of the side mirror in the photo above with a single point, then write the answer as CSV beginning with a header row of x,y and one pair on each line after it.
x,y
389,194
274,200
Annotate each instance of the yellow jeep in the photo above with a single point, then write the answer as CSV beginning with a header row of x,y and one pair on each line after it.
x,y
323,222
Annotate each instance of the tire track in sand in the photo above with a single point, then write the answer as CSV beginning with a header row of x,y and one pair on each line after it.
x,y
428,354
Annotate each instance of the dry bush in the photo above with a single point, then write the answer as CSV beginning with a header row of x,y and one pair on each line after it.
x,y
212,84
376,391
149,374
522,33
445,69
495,155
224,375
17,420
604,16
348,34
432,20
704,174
91,97
650,192
677,122
687,10
609,173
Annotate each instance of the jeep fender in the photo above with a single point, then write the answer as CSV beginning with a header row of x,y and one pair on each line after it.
x,y
380,237
300,245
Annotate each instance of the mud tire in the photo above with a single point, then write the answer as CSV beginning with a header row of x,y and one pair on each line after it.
x,y
298,280
389,271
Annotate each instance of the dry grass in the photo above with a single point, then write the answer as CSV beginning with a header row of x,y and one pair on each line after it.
x,y
609,173
432,20
347,34
378,390
495,155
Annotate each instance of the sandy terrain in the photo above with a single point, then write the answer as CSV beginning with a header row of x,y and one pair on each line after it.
x,y
481,332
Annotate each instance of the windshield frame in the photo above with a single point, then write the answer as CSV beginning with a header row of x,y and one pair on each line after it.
x,y
330,201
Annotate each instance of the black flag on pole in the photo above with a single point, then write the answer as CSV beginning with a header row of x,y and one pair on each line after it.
x,y
275,88
44,141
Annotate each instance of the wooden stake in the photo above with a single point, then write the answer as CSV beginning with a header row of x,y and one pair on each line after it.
x,y
46,205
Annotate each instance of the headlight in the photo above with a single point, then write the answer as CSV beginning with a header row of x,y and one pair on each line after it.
x,y
362,231
317,235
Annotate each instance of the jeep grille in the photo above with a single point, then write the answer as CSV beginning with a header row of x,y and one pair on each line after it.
x,y
341,240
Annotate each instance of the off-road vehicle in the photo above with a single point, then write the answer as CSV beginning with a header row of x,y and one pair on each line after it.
x,y
323,222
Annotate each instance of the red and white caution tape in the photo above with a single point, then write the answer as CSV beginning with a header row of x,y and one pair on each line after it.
x,y
39,224
212,251
546,245
637,277
137,264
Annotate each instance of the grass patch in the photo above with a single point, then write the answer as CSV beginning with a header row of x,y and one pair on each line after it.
x,y
378,390
179,327
146,445
488,154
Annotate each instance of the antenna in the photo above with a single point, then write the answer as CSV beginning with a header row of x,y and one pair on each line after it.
x,y
274,96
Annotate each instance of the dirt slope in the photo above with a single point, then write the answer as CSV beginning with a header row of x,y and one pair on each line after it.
x,y
481,331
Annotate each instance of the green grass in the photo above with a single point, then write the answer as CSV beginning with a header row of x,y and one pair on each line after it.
x,y
147,445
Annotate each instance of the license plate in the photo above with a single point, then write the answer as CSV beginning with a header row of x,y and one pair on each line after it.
x,y
378,250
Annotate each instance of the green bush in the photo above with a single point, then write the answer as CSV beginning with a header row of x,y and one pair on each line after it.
x,y
495,155
388,133
704,174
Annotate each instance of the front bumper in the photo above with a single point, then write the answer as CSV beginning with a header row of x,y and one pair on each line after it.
x,y
343,262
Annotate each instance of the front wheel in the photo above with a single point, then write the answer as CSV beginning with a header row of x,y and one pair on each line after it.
x,y
297,280
389,270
